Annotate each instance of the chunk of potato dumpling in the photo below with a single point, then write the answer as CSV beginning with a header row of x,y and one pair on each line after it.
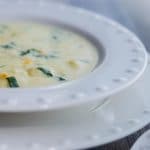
x,y
73,64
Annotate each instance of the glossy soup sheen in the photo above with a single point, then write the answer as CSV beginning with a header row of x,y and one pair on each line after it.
x,y
36,55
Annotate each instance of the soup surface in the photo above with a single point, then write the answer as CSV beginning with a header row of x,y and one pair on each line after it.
x,y
35,55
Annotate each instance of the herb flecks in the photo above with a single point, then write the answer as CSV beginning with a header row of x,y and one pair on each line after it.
x,y
8,46
54,37
45,71
61,79
12,82
37,53
52,56
84,61
32,51
49,74
23,53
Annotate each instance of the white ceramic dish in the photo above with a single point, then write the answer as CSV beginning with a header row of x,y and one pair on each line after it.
x,y
122,58
79,127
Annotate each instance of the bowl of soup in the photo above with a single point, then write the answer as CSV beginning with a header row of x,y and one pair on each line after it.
x,y
35,55
54,56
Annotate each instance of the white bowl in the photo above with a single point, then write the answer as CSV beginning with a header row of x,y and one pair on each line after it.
x,y
122,58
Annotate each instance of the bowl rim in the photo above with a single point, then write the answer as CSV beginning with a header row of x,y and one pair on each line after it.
x,y
107,79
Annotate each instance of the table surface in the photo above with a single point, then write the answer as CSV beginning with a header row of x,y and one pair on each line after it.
x,y
112,9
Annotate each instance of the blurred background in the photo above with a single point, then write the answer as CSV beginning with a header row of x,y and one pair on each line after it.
x,y
131,13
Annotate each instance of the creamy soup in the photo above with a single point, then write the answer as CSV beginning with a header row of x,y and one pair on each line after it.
x,y
34,55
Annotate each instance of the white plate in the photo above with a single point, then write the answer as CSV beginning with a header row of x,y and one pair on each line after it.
x,y
122,58
81,127
143,143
